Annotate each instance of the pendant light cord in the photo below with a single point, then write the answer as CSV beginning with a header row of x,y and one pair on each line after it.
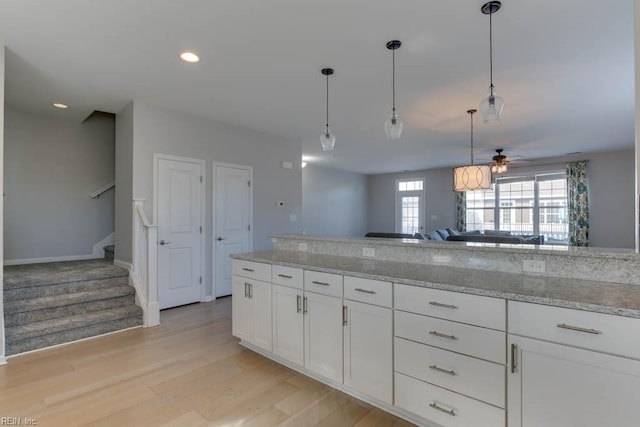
x,y
327,101
393,73
471,114
491,50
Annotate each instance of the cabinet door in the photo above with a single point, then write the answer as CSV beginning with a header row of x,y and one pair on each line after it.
x,y
260,296
323,336
242,314
368,353
288,324
559,386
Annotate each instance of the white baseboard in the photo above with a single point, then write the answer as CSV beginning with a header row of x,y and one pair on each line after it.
x,y
3,360
208,298
125,265
98,248
48,259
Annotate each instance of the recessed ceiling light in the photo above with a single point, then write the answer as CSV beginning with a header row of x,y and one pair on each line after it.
x,y
60,105
189,57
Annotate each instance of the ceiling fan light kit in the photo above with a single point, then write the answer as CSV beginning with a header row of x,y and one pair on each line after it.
x,y
499,163
327,139
471,177
491,107
393,126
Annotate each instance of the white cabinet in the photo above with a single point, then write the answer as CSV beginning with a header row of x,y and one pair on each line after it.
x,y
288,324
323,335
251,315
368,350
557,385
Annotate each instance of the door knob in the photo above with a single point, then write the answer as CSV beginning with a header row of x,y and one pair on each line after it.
x,y
162,242
221,238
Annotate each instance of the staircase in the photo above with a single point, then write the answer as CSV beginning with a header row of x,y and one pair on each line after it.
x,y
54,303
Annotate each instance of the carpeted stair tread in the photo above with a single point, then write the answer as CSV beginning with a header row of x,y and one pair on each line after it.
x,y
52,301
21,293
17,276
16,347
70,324
21,318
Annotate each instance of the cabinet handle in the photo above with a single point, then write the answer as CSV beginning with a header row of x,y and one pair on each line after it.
x,y
298,303
514,356
248,269
321,283
438,334
304,305
246,290
451,412
439,304
344,315
366,291
579,329
444,371
285,276
250,291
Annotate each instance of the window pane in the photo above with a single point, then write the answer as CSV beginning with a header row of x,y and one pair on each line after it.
x,y
410,214
402,186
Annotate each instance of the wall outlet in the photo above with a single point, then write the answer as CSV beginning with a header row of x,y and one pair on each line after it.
x,y
533,266
293,217
302,246
368,252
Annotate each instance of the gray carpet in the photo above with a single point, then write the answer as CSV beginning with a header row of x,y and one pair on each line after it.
x,y
53,303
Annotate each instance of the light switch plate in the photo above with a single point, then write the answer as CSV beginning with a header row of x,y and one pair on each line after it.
x,y
368,252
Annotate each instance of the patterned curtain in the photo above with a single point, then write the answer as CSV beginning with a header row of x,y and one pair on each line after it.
x,y
578,197
461,211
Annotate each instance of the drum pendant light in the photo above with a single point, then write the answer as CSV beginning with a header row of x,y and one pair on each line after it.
x,y
471,177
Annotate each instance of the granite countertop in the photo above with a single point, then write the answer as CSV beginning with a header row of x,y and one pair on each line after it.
x,y
601,297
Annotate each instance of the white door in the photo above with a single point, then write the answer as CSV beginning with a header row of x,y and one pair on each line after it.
x,y
323,335
179,218
233,195
288,324
558,386
368,350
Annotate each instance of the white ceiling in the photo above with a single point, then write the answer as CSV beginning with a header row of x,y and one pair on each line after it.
x,y
564,68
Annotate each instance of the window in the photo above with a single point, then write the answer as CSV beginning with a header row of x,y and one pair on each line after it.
x,y
523,205
409,206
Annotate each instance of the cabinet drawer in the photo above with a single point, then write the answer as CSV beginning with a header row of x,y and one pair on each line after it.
x,y
287,276
465,308
252,270
323,283
595,331
466,375
444,407
470,340
368,291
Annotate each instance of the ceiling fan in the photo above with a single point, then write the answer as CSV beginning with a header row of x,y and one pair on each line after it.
x,y
500,162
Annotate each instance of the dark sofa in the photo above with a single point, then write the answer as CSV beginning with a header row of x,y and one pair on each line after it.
x,y
488,236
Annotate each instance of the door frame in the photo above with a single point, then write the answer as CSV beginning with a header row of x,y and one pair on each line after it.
x,y
203,204
215,165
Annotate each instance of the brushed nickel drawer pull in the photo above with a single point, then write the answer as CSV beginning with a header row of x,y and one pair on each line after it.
x,y
248,269
438,334
285,276
298,298
246,291
579,329
514,358
451,412
321,283
444,371
304,305
366,291
439,304
344,315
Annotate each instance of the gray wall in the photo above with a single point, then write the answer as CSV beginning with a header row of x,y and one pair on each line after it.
x,y
124,184
334,202
611,196
157,130
51,168
439,199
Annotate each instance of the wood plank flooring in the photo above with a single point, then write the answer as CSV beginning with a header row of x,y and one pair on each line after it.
x,y
189,371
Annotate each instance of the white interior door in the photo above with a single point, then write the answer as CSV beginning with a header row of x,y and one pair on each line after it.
x,y
179,219
233,195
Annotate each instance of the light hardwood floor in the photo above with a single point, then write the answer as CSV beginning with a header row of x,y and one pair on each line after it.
x,y
189,371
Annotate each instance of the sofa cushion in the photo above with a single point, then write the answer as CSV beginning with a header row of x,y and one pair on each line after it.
x,y
496,233
433,235
443,233
452,232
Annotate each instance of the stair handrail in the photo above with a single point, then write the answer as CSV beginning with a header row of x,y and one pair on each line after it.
x,y
99,191
144,272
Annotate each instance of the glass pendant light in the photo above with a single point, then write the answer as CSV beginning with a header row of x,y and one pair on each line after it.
x,y
471,177
491,107
393,126
327,139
